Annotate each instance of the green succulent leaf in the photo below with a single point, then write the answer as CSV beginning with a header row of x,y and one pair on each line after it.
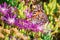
x,y
46,8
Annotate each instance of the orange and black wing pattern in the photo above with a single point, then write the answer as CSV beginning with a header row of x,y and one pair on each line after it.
x,y
38,15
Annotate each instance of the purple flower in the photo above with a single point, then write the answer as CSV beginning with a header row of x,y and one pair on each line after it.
x,y
12,9
40,28
3,8
28,14
9,18
24,24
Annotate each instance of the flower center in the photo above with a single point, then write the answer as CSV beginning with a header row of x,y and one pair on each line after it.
x,y
40,28
3,9
11,20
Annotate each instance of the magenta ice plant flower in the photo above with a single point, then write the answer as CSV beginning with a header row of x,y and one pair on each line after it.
x,y
9,18
28,14
24,24
4,8
12,9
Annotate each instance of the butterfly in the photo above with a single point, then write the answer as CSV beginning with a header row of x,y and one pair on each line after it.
x,y
39,17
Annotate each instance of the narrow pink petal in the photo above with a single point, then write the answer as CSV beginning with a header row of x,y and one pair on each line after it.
x,y
5,4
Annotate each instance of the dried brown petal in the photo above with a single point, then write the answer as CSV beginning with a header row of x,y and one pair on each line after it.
x,y
6,31
14,30
19,35
1,35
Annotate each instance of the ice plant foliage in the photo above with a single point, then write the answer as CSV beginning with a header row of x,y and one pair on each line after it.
x,y
29,18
